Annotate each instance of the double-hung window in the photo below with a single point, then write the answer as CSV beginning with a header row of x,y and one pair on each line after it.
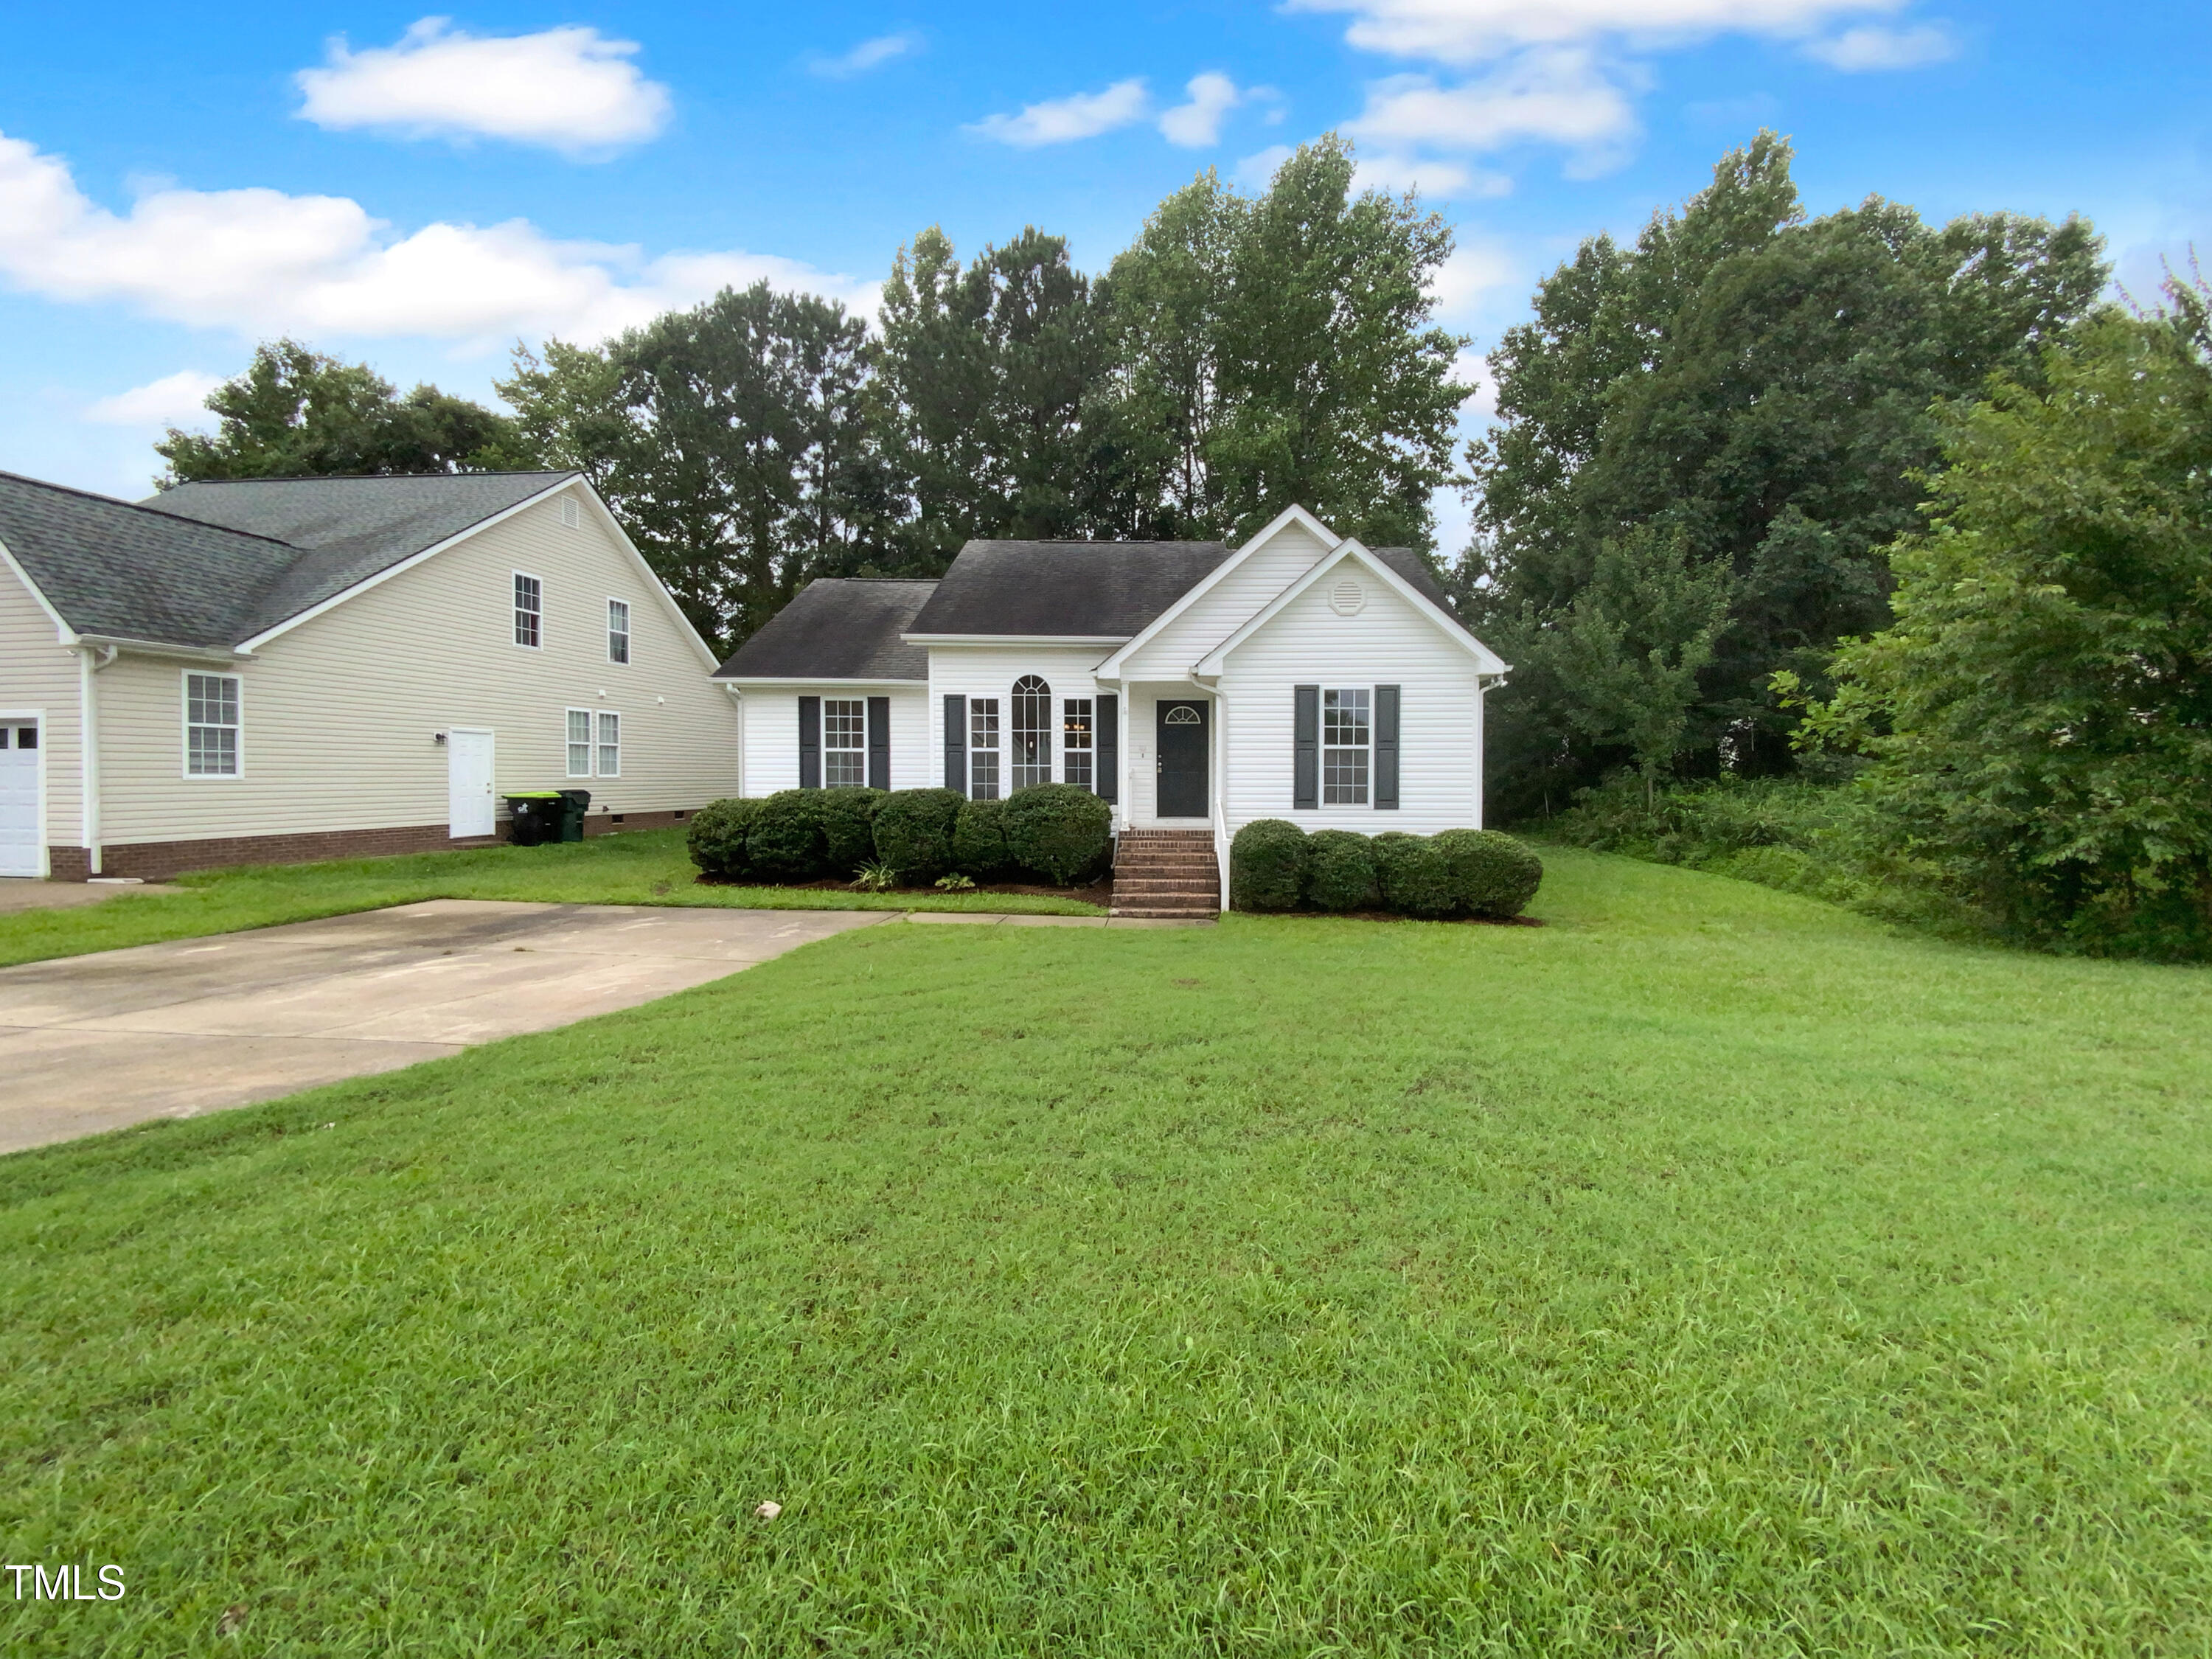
x,y
529,610
844,742
617,631
594,743
983,748
1346,738
1075,741
211,725
1032,732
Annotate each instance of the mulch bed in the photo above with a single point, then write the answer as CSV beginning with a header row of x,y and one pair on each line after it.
x,y
1098,892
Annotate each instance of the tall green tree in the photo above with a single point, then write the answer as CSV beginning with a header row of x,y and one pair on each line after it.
x,y
1276,350
296,411
731,439
2039,717
1760,385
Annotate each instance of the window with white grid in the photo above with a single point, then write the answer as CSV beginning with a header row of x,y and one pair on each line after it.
x,y
617,631
529,610
580,743
1075,742
610,745
211,725
844,742
1346,738
983,748
1031,735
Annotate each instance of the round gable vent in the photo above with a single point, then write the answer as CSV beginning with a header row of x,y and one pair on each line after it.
x,y
1346,598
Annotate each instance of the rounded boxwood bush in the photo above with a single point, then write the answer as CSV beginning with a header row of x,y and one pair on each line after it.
x,y
1414,876
785,842
1267,862
979,839
848,829
1491,874
1340,871
914,832
717,838
1060,831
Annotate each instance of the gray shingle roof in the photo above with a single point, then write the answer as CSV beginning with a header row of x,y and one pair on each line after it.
x,y
838,629
1415,569
1097,590
347,529
215,564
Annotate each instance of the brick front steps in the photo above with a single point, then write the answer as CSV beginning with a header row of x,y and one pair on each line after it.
x,y
1166,874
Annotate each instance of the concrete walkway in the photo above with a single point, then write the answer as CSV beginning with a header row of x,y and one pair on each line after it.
x,y
19,893
97,1042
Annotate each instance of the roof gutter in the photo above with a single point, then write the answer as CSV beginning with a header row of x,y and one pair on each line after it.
x,y
112,643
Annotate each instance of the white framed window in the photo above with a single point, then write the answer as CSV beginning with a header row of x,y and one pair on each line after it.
x,y
580,743
1032,732
983,748
572,513
1075,742
844,742
1346,738
609,744
529,610
617,631
213,727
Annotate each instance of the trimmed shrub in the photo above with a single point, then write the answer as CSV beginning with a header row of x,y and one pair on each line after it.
x,y
1341,872
914,832
717,838
785,842
1267,863
979,839
848,829
1414,876
1491,874
1058,830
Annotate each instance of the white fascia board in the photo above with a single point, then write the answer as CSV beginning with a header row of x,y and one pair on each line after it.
x,y
165,648
1486,661
404,565
774,682
64,633
1293,515
1023,639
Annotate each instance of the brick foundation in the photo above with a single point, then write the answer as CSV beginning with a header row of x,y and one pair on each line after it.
x,y
154,860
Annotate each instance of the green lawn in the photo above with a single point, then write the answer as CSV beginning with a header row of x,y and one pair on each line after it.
x,y
649,867
1709,1271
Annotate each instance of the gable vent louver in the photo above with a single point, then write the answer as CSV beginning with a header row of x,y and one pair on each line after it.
x,y
1347,598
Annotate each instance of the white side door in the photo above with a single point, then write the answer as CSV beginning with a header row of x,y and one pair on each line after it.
x,y
470,808
22,833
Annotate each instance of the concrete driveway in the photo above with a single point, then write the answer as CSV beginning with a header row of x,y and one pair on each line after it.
x,y
171,1031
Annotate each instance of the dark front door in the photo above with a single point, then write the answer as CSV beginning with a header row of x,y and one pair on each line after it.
x,y
1182,760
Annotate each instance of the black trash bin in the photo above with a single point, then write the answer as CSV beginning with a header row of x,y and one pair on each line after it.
x,y
575,802
535,818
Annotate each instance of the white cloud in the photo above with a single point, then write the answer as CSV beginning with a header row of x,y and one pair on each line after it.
x,y
1463,31
259,262
1062,120
1257,171
1857,50
1556,95
1196,125
869,54
569,89
1395,173
166,402
1474,273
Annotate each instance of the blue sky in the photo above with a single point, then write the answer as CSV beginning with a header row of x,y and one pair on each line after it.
x,y
419,190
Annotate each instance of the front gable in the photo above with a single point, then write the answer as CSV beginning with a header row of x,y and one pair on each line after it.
x,y
1346,585
1240,587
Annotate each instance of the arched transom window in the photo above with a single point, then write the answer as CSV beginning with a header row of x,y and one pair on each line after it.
x,y
1032,732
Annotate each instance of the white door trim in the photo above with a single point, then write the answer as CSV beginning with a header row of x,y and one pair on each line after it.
x,y
454,828
36,717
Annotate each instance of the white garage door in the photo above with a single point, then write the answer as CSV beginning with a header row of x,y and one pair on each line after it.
x,y
22,837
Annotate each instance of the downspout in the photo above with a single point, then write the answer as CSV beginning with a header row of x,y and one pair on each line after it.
x,y
91,658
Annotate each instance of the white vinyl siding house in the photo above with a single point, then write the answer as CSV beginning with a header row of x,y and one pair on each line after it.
x,y
39,686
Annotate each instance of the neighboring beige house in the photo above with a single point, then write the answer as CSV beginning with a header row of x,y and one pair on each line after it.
x,y
268,670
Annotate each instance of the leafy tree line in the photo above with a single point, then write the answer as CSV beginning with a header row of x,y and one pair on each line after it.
x,y
1707,444
1244,352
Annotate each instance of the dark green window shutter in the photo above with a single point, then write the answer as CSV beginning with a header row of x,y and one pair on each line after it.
x,y
1106,776
1386,748
809,743
1305,767
880,743
955,744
